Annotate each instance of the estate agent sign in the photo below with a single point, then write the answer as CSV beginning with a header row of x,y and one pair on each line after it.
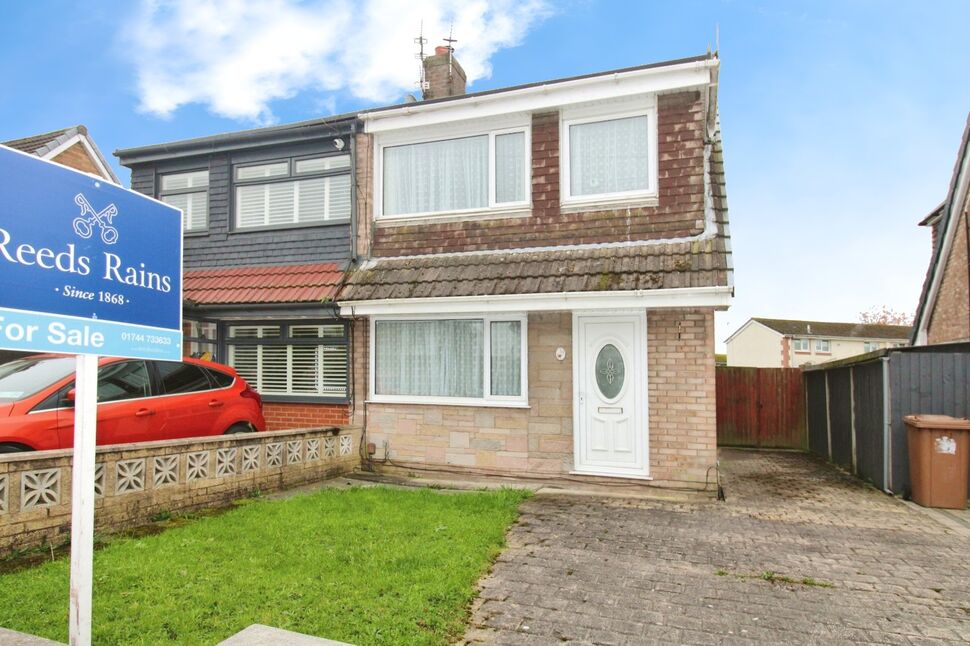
x,y
86,266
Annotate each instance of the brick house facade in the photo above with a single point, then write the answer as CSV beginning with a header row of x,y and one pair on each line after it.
x,y
943,313
560,320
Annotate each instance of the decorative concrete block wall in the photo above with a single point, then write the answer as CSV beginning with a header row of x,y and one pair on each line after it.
x,y
134,483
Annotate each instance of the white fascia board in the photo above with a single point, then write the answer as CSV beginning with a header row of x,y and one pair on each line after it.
x,y
541,97
106,173
719,297
956,207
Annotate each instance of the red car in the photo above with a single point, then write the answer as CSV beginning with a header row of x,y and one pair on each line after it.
x,y
138,401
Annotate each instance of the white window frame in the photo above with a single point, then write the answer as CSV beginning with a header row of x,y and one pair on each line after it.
x,y
818,346
642,106
871,346
799,341
502,401
163,193
422,136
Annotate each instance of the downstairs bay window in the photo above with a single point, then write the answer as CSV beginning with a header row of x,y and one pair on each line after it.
x,y
466,361
291,361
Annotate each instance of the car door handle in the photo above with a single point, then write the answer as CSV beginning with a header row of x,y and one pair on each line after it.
x,y
144,412
215,403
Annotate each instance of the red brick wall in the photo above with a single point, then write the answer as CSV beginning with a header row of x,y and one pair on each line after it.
x,y
950,318
281,417
77,157
679,211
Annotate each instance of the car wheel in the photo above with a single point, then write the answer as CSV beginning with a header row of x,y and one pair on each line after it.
x,y
13,448
238,428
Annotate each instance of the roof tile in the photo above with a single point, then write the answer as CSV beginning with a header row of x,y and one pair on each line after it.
x,y
312,283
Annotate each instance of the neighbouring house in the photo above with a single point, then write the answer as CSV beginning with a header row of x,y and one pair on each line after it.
x,y
267,220
943,313
782,343
72,147
538,270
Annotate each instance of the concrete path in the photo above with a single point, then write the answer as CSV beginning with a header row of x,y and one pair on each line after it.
x,y
799,554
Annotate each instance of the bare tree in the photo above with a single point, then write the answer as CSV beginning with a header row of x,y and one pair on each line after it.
x,y
884,315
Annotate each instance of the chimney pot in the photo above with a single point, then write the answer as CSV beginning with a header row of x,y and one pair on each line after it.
x,y
440,50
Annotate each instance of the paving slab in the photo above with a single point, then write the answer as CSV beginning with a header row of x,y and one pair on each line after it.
x,y
13,638
260,635
799,553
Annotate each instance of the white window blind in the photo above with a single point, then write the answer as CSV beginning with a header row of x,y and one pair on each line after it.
x,y
189,193
282,202
271,365
610,156
180,181
276,169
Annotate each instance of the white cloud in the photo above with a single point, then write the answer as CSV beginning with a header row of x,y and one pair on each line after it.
x,y
237,56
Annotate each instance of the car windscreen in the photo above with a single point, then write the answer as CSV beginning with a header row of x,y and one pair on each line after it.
x,y
24,377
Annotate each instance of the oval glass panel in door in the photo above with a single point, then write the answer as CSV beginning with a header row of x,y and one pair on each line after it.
x,y
609,371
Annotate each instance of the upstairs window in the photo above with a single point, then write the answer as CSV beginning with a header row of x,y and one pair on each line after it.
x,y
609,154
190,193
871,346
800,345
483,171
292,192
823,345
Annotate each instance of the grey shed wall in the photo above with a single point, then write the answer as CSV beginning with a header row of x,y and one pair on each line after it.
x,y
847,402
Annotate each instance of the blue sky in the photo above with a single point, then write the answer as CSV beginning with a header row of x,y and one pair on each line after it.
x,y
841,120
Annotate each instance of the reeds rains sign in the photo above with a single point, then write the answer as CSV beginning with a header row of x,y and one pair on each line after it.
x,y
86,266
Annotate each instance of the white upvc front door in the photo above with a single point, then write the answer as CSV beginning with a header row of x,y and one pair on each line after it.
x,y
610,395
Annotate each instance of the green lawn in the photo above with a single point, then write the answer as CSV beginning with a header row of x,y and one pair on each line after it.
x,y
366,566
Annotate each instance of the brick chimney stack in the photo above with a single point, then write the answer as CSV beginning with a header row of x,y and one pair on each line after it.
x,y
443,75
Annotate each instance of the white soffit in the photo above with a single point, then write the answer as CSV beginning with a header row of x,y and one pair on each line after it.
x,y
546,96
719,297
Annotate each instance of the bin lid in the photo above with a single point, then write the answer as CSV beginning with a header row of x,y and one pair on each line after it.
x,y
931,422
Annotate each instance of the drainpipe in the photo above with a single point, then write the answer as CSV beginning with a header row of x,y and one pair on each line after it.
x,y
353,193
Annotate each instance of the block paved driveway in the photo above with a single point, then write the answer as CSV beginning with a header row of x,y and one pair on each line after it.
x,y
619,571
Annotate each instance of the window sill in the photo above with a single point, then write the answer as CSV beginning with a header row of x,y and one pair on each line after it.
x,y
458,216
466,403
608,204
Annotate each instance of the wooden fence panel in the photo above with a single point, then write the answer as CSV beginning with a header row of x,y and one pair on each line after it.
x,y
761,407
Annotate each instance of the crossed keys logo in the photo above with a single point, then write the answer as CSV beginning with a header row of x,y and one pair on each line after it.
x,y
84,223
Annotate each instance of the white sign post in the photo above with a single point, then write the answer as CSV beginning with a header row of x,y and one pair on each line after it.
x,y
82,497
91,269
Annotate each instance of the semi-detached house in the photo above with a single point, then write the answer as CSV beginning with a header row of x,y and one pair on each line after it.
x,y
532,272
539,270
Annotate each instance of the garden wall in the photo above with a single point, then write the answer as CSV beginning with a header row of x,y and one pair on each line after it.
x,y
138,482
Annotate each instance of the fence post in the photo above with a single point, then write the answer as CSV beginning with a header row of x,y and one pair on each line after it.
x,y
828,416
855,463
